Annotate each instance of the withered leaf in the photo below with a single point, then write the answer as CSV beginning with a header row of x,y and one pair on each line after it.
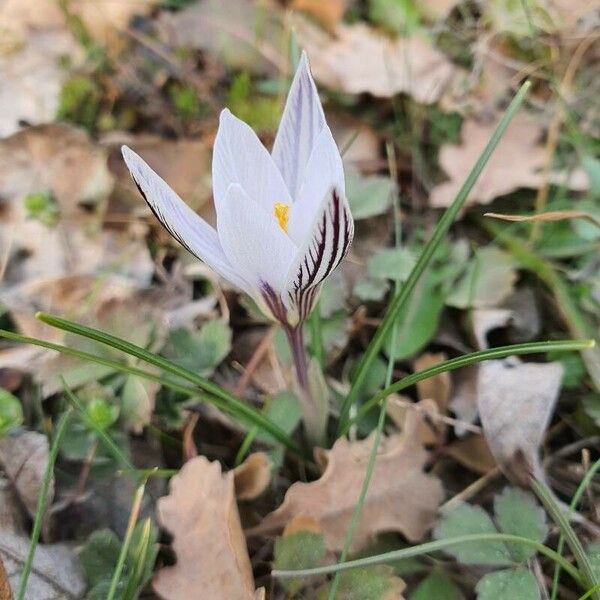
x,y
55,574
516,401
401,496
360,59
201,514
328,13
472,452
34,36
5,591
518,162
24,457
252,477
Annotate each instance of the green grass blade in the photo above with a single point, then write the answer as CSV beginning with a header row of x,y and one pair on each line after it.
x,y
133,516
382,409
41,506
590,592
589,476
465,361
559,517
234,407
440,231
429,547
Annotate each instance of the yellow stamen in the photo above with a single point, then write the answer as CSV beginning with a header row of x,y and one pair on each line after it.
x,y
282,215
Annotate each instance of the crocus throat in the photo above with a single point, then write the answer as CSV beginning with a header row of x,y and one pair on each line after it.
x,y
281,211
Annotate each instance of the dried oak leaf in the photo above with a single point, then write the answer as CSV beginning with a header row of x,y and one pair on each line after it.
x,y
516,401
401,496
55,573
360,59
201,513
518,162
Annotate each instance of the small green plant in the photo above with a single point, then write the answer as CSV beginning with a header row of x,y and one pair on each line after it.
x,y
100,557
260,112
42,207
185,101
80,102
11,413
515,512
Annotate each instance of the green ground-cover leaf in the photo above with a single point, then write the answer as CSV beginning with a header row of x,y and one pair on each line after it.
x,y
438,586
11,413
512,583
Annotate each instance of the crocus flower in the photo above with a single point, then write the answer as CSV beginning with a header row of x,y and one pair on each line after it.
x,y
283,221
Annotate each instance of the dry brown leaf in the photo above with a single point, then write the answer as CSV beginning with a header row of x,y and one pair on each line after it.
x,y
243,34
34,38
63,160
516,401
252,477
55,157
55,573
361,145
185,163
302,523
76,296
437,387
360,60
106,20
472,452
518,162
328,13
464,396
5,591
569,14
12,517
201,514
24,458
401,496
551,215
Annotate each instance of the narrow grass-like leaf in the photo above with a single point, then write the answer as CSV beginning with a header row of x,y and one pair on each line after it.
x,y
590,592
440,231
464,361
382,409
133,516
224,401
428,548
41,506
559,517
589,476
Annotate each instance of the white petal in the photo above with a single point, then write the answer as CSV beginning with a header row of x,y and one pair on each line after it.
x,y
189,229
301,123
328,242
239,157
324,171
253,241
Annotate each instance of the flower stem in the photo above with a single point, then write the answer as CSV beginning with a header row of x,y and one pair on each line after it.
x,y
314,407
295,336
